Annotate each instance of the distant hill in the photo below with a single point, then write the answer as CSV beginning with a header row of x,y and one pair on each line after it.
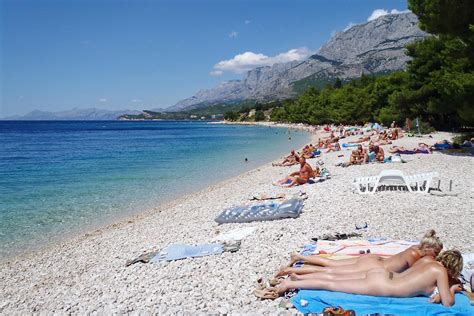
x,y
91,114
374,47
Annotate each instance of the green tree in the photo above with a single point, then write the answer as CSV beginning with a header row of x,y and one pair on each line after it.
x,y
231,116
445,17
259,116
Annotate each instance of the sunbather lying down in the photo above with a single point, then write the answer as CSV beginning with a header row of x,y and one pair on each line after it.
x,y
426,278
421,149
290,160
429,247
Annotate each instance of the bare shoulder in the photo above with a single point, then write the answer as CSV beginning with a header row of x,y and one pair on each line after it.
x,y
427,259
413,251
435,267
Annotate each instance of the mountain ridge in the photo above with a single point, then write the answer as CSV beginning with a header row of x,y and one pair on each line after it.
x,y
372,47
87,114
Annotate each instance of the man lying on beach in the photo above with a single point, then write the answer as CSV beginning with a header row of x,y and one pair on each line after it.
x,y
299,177
429,247
362,139
290,160
421,149
307,151
427,278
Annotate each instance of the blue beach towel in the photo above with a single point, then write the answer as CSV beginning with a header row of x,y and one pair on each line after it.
x,y
183,251
349,145
365,304
442,146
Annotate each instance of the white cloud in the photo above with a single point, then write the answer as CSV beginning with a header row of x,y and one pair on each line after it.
x,y
243,62
136,100
247,21
103,100
377,14
381,12
233,34
216,73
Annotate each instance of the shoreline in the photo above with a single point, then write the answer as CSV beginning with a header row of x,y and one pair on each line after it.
x,y
87,274
119,220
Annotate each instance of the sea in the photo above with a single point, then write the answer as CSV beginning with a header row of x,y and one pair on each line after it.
x,y
62,178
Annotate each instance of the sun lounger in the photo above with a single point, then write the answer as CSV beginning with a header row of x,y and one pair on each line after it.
x,y
421,181
414,183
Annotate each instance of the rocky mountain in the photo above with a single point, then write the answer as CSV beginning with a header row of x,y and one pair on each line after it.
x,y
91,114
373,47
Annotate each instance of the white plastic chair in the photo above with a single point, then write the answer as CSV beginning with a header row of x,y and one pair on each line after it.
x,y
421,182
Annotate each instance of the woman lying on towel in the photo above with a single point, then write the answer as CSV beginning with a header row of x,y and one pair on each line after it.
x,y
421,149
427,278
429,247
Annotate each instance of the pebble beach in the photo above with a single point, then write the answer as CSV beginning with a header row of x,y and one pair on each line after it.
x,y
87,273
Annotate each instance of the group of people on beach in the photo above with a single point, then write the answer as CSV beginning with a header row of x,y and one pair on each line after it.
x,y
374,153
419,270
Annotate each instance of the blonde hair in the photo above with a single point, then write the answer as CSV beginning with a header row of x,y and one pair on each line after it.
x,y
431,240
452,261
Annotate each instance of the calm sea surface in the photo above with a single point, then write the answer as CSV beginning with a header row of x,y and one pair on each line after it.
x,y
60,178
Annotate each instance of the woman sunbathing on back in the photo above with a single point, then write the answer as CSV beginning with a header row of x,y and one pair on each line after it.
x,y
430,246
426,279
421,149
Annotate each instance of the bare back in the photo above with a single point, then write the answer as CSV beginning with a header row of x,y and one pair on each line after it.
x,y
420,279
403,260
306,172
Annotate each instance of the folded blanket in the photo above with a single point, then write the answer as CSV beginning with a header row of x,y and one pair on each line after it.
x,y
317,300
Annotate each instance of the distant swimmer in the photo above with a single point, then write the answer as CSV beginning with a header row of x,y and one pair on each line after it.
x,y
246,160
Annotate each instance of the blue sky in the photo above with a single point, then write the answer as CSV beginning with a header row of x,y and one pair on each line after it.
x,y
57,55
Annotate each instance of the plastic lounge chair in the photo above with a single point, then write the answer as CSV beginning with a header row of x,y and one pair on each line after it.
x,y
365,185
421,182
391,178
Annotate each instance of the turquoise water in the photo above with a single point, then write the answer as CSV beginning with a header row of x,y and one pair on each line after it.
x,y
61,178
